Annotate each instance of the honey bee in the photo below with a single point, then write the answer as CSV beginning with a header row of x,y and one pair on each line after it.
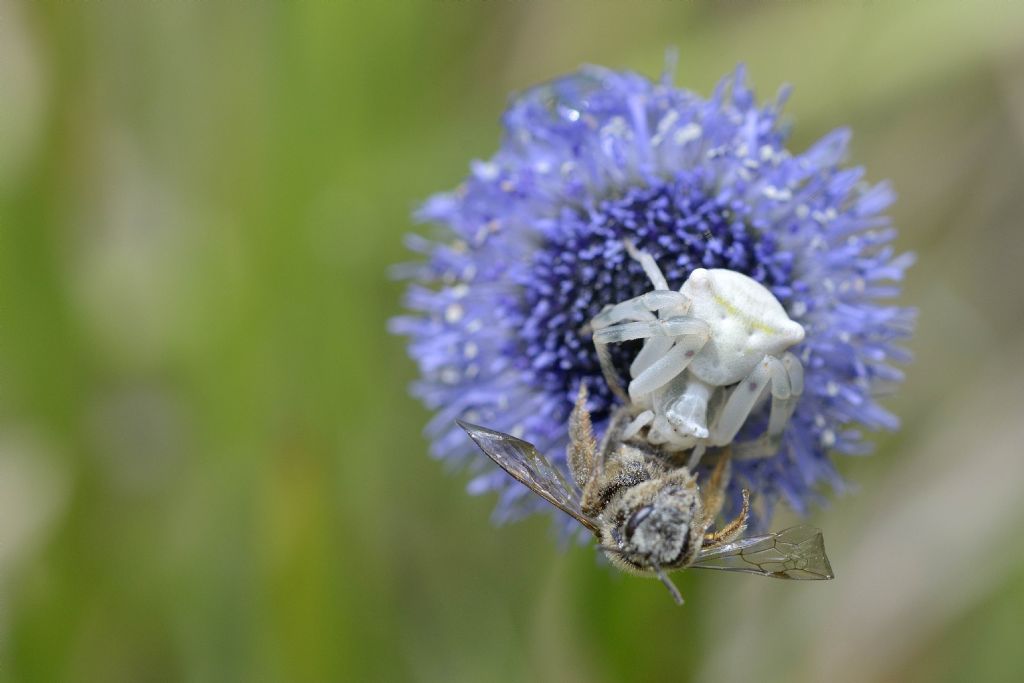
x,y
650,516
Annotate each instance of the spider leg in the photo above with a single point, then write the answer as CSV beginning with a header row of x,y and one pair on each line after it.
x,y
653,349
783,405
638,423
734,529
649,265
782,409
770,371
639,309
671,364
695,455
690,335
642,307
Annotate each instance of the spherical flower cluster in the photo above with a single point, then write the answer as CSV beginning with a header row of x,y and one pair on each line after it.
x,y
531,248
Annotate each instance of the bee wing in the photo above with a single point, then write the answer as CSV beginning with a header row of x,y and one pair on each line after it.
x,y
794,553
525,463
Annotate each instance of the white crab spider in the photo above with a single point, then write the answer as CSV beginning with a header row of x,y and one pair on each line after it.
x,y
710,351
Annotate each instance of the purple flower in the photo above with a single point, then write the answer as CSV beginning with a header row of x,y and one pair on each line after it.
x,y
531,248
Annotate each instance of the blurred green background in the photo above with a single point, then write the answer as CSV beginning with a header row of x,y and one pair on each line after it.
x,y
210,469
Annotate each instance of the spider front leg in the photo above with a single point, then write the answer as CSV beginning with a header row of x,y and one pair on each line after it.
x,y
670,304
649,265
689,335
782,409
769,372
641,308
635,311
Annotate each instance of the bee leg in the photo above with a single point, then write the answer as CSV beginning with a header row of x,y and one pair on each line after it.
x,y
604,357
714,492
582,444
734,529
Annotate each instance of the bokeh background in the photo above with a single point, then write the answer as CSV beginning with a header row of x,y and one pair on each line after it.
x,y
210,469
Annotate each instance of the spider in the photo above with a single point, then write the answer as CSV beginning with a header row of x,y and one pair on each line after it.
x,y
710,352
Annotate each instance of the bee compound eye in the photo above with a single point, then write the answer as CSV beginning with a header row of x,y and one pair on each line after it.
x,y
634,519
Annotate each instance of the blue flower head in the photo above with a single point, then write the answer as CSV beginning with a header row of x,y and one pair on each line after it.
x,y
532,249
